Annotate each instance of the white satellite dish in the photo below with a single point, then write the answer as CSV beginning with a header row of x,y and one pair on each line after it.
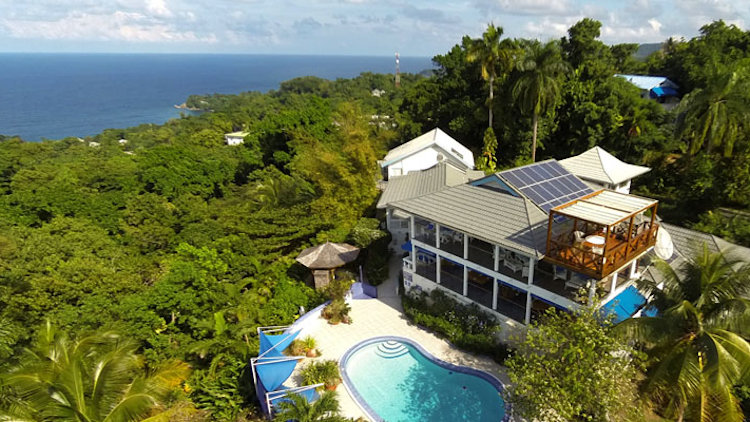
x,y
664,247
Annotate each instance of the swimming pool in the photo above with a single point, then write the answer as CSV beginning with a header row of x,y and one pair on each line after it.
x,y
395,380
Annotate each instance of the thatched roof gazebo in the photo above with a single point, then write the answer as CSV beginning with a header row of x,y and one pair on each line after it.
x,y
324,258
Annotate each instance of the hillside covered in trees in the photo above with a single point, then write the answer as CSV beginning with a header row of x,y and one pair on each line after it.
x,y
184,245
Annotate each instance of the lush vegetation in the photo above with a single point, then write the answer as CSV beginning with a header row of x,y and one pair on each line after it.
x,y
697,345
571,367
181,244
466,326
559,99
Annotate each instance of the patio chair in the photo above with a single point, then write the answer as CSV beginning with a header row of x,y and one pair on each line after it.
x,y
580,237
513,264
576,283
559,273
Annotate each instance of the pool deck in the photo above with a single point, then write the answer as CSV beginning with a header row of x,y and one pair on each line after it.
x,y
383,317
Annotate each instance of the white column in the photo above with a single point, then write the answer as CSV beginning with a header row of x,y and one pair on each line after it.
x,y
466,281
531,271
497,258
633,268
528,308
437,269
494,293
466,246
413,247
437,235
614,285
592,292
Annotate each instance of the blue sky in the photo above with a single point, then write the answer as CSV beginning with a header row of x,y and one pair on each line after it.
x,y
350,27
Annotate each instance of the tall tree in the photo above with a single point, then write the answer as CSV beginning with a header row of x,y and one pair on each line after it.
x,y
96,378
538,85
697,344
715,116
571,367
491,53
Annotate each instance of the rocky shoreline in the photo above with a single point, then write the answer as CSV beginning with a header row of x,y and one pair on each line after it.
x,y
184,106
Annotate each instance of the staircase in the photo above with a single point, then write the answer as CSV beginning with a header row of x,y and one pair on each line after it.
x,y
391,349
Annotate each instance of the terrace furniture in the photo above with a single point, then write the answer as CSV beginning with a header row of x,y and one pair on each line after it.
x,y
559,273
576,283
525,271
578,236
513,264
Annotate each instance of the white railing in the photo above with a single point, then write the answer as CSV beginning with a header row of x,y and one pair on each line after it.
x,y
408,265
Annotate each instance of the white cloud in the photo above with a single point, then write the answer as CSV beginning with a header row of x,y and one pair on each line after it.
x,y
158,8
527,7
649,31
549,27
116,26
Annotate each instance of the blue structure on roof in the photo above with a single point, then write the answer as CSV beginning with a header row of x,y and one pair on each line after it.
x,y
627,304
663,91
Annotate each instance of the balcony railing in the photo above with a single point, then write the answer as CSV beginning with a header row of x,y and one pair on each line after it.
x,y
602,261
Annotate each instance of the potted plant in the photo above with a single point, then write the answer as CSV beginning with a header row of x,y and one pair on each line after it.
x,y
309,345
324,372
337,311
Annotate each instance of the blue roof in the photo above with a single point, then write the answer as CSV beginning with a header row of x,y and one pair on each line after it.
x,y
626,304
647,82
663,91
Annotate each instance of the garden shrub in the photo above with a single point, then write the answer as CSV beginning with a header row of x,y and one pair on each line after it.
x,y
466,326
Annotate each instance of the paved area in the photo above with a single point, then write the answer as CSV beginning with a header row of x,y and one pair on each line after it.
x,y
380,317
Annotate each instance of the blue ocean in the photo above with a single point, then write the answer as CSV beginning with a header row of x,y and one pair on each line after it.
x,y
53,96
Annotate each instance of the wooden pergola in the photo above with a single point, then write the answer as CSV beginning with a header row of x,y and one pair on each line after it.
x,y
601,232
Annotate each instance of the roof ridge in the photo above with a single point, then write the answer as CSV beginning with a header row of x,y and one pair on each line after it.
x,y
600,153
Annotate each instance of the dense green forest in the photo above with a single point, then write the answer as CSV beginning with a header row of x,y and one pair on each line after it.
x,y
184,245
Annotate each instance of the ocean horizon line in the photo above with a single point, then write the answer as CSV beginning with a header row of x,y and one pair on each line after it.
x,y
74,53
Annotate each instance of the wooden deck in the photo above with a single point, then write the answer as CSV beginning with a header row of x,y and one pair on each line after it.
x,y
599,262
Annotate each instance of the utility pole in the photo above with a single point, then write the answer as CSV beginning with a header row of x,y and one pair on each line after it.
x,y
398,72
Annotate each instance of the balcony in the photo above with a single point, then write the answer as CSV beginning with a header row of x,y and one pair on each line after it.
x,y
600,233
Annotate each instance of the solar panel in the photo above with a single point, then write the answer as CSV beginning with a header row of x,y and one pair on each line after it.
x,y
547,184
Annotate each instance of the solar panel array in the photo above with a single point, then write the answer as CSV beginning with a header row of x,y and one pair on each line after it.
x,y
547,184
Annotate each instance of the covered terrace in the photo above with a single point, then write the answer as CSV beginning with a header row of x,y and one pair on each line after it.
x,y
599,233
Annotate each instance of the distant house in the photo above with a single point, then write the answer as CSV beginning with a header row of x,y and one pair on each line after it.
x,y
601,169
235,138
424,152
655,87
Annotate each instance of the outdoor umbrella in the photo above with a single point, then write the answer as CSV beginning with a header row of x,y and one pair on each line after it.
x,y
328,255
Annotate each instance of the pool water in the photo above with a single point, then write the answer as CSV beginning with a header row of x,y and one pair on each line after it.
x,y
399,384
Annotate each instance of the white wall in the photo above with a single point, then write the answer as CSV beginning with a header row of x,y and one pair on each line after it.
x,y
422,160
234,140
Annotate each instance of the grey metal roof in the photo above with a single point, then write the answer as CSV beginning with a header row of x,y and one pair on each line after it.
x,y
598,165
689,243
485,214
418,183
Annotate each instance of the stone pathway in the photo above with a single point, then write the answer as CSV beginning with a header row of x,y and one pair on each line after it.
x,y
380,317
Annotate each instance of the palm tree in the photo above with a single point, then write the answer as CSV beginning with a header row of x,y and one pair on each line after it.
x,y
714,116
96,378
538,85
297,408
697,345
490,52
